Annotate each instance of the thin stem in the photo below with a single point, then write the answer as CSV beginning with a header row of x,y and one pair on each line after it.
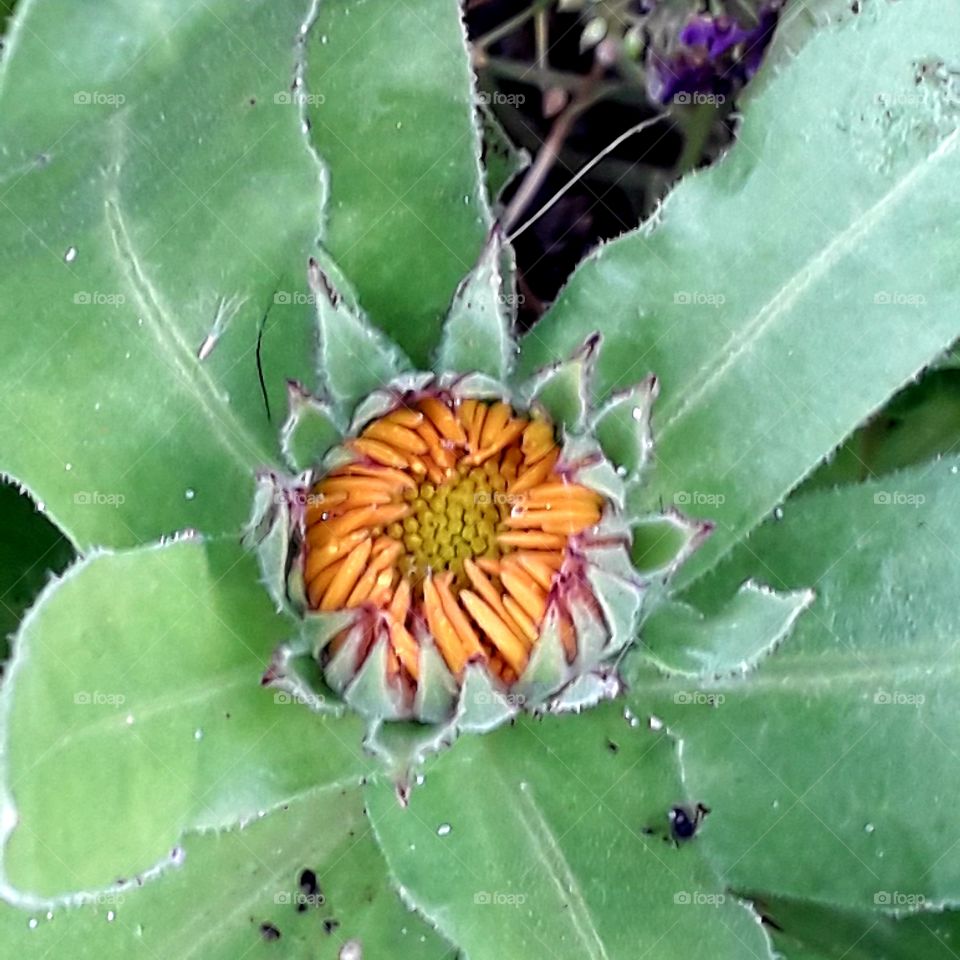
x,y
583,171
548,152
508,26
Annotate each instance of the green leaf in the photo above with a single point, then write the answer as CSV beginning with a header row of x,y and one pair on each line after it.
x,y
502,159
816,931
226,886
774,295
478,332
836,756
681,640
159,199
309,431
530,842
31,548
623,426
564,388
134,711
407,216
355,358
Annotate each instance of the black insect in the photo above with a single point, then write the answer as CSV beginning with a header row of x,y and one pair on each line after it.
x,y
269,932
684,821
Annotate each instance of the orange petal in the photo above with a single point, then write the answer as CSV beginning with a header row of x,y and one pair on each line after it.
x,y
539,568
400,604
456,616
496,420
406,648
523,589
379,451
512,649
443,633
406,417
319,558
444,420
398,477
403,439
528,627
538,441
532,540
535,475
346,577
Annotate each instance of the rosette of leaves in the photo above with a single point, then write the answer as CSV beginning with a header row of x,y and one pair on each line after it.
x,y
165,179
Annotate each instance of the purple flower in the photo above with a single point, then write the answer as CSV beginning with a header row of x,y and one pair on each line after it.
x,y
712,55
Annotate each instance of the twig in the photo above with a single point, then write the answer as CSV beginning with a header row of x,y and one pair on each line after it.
x,y
636,128
547,154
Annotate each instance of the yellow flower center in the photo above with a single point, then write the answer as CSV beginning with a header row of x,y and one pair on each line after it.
x,y
456,521
452,520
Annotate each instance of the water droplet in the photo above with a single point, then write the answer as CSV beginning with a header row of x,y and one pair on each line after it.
x,y
637,414
177,855
32,923
189,493
324,39
955,469
778,513
96,406
129,719
351,950
443,830
111,916
197,734
869,828
655,723
68,466
70,255
621,470
419,779
399,124
49,914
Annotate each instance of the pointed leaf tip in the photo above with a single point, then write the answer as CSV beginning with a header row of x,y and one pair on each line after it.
x,y
309,430
564,389
623,426
478,330
354,357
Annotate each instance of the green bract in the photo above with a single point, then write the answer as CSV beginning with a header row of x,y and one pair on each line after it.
x,y
605,448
